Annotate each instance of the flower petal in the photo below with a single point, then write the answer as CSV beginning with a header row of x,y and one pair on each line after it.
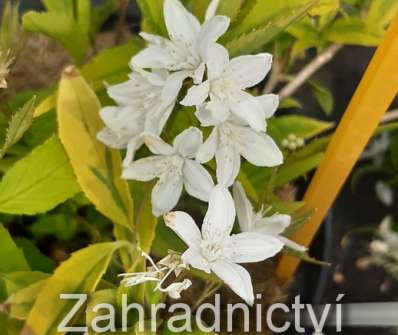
x,y
199,74
273,225
188,142
153,57
132,146
220,216
198,182
194,258
253,247
112,139
270,103
185,227
248,108
237,278
157,145
166,193
144,169
248,71
211,31
181,24
258,148
228,164
173,86
212,9
209,147
292,245
212,113
123,120
217,59
196,95
244,208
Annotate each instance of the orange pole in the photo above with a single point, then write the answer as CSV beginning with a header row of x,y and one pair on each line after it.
x,y
373,97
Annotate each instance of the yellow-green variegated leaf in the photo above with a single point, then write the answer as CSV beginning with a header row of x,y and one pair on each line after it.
x,y
97,168
17,261
80,274
38,182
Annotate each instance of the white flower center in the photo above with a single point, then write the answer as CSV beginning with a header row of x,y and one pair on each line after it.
x,y
222,88
211,250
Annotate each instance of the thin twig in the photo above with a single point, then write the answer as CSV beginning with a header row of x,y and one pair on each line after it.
x,y
308,71
390,116
275,78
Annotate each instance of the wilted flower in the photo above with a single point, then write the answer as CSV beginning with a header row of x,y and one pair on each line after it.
x,y
215,249
249,221
175,168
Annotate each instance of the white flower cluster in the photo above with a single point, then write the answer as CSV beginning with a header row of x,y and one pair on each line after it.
x,y
238,120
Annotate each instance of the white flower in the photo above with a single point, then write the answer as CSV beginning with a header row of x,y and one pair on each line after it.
x,y
215,249
140,108
174,290
226,84
229,141
249,221
384,193
175,167
184,52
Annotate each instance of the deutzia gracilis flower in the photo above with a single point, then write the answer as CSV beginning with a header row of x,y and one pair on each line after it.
x,y
140,108
229,141
249,221
175,167
184,52
226,84
216,250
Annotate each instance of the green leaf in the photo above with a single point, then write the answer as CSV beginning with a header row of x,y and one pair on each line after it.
x,y
301,126
60,225
73,278
325,7
152,13
16,281
99,297
100,14
166,240
36,260
12,258
353,31
290,103
323,96
382,12
10,326
255,38
230,8
60,6
66,31
145,221
38,182
289,172
20,121
199,8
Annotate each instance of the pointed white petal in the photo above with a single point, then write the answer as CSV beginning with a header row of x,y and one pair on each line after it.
x,y
217,59
156,120
112,139
228,164
188,142
237,278
209,147
249,109
154,39
253,247
270,103
181,24
248,71
292,245
198,182
153,57
199,74
122,93
173,86
144,169
157,145
220,216
212,9
212,113
185,227
194,258
244,208
258,148
196,95
211,31
273,225
132,146
166,193
123,120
